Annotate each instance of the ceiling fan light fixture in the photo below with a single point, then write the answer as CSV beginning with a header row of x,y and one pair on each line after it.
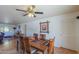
x,y
31,11
30,15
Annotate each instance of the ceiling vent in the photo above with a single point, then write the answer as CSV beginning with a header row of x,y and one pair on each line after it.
x,y
77,17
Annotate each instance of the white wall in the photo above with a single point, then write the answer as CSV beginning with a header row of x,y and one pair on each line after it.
x,y
77,34
23,28
63,27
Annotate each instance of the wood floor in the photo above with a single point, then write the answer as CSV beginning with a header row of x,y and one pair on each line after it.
x,y
9,47
64,51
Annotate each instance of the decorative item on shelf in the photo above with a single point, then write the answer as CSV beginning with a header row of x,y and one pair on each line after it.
x,y
44,27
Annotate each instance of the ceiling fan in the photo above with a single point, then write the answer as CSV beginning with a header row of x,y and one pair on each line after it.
x,y
30,11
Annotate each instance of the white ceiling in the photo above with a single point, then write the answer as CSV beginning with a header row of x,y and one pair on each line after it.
x,y
8,13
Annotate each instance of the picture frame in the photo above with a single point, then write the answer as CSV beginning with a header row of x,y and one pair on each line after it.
x,y
44,27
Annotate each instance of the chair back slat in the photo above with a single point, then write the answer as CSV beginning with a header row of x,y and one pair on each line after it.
x,y
27,45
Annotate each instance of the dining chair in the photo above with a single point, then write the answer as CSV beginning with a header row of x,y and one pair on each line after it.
x,y
51,46
22,48
35,35
42,36
27,45
28,48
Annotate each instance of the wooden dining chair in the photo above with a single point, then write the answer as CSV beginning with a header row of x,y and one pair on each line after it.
x,y
51,46
27,45
28,48
22,48
35,35
42,36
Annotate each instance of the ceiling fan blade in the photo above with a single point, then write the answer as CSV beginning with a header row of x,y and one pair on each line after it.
x,y
38,12
21,10
25,14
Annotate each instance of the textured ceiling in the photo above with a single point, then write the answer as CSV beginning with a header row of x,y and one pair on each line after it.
x,y
8,13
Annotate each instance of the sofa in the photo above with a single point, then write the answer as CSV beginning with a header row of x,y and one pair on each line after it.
x,y
1,36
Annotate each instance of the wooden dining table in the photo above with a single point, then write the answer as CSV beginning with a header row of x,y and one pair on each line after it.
x,y
39,45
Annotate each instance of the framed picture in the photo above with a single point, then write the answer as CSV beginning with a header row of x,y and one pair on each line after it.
x,y
44,27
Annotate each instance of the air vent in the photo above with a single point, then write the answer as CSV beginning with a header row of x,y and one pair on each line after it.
x,y
77,17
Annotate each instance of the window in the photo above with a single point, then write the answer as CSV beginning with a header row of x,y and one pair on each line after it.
x,y
6,29
1,29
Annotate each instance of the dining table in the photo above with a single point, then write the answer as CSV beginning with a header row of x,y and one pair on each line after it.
x,y
39,45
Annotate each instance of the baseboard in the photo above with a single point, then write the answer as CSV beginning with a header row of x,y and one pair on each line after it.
x,y
58,47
